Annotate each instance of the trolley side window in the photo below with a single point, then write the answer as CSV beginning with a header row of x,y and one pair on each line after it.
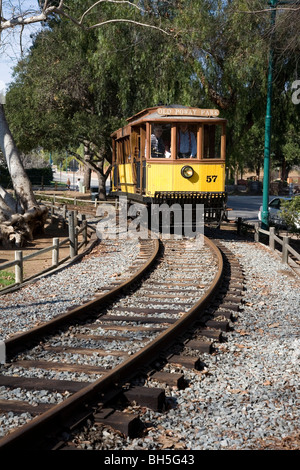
x,y
212,141
135,143
160,141
123,150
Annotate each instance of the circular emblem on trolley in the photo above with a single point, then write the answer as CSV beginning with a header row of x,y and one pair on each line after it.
x,y
187,171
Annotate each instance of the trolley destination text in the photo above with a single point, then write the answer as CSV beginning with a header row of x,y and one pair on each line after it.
x,y
188,112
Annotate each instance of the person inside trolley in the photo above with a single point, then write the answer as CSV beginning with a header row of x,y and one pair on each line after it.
x,y
157,143
187,145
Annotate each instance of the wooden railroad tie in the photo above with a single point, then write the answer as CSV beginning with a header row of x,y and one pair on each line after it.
x,y
150,397
127,423
170,379
190,362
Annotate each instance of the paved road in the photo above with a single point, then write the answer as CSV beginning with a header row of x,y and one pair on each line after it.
x,y
244,206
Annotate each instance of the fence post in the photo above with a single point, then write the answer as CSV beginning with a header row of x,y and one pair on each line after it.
x,y
76,239
52,212
19,267
256,233
76,217
72,235
239,225
285,253
84,232
271,238
55,252
64,215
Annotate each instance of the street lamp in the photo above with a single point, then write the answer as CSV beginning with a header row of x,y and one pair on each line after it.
x,y
265,206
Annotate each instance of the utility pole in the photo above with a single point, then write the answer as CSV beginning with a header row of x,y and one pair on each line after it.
x,y
265,206
266,182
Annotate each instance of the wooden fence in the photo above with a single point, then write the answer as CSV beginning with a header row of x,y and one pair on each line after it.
x,y
284,242
74,230
73,200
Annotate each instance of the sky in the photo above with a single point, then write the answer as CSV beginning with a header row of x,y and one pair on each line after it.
x,y
10,51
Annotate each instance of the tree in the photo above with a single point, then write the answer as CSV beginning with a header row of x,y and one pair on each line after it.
x,y
21,218
227,44
213,52
86,85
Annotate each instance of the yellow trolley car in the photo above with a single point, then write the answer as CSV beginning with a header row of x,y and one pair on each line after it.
x,y
172,154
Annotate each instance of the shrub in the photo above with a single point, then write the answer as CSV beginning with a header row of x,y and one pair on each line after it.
x,y
290,212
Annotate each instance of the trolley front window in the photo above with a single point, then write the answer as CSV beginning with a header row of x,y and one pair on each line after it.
x,y
212,141
186,141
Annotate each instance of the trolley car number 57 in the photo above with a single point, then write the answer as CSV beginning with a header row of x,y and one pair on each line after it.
x,y
211,178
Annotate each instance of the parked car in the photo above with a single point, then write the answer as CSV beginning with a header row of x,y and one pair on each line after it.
x,y
275,215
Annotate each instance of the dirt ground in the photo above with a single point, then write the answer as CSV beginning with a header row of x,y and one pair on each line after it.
x,y
43,261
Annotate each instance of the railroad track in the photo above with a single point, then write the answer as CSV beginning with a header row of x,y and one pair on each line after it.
x,y
170,310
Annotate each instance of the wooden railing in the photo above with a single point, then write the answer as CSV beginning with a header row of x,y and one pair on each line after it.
x,y
72,200
74,230
283,242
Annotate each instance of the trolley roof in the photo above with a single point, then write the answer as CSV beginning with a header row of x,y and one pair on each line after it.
x,y
170,113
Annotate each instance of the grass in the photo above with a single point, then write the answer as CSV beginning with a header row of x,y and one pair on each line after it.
x,y
6,278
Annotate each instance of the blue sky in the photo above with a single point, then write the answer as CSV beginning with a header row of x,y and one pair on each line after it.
x,y
10,50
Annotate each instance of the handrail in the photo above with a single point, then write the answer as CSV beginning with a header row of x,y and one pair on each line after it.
x,y
284,242
72,239
74,199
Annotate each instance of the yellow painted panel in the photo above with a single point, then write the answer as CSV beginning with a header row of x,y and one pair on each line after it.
x,y
125,176
213,177
167,177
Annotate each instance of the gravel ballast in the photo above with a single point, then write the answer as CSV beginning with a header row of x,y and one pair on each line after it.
x,y
246,397
55,293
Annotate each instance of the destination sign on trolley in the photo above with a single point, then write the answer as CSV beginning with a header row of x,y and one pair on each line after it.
x,y
188,112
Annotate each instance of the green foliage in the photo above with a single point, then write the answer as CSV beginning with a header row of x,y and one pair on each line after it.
x,y
290,212
36,175
88,83
79,85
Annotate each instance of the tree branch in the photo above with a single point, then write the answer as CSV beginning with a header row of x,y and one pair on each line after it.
x,y
22,19
89,164
267,10
110,1
120,20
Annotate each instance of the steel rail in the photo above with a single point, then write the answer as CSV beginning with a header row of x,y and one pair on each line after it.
x,y
18,341
23,438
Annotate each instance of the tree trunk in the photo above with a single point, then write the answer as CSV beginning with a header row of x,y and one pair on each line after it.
x,y
21,182
283,170
20,218
97,167
87,177
87,170
101,186
102,177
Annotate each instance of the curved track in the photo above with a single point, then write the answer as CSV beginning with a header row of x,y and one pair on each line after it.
x,y
191,317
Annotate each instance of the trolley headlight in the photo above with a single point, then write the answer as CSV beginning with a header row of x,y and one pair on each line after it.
x,y
187,171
